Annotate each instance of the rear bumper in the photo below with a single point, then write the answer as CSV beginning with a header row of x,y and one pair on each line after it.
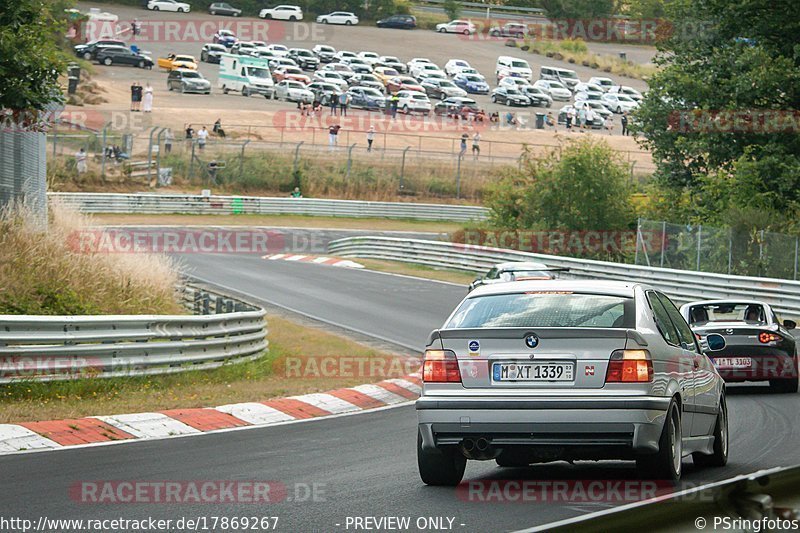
x,y
618,424
763,367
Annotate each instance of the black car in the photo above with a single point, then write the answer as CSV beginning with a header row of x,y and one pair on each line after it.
x,y
510,96
211,53
456,106
89,50
223,8
366,98
305,59
117,55
400,22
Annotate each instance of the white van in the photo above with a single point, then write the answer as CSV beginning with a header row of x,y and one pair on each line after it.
x,y
512,66
564,75
245,74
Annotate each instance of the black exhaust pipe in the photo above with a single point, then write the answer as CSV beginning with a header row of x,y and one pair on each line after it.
x,y
482,444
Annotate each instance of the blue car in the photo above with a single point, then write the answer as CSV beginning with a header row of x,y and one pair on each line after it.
x,y
366,98
472,84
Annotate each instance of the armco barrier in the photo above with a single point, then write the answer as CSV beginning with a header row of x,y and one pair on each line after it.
x,y
254,205
64,347
682,285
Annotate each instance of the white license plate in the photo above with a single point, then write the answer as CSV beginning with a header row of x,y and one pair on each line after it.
x,y
733,362
541,371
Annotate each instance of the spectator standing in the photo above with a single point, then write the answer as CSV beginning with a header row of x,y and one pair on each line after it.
x,y
133,96
463,150
137,96
624,123
80,161
333,136
590,115
168,138
202,135
370,138
334,104
570,118
395,103
476,145
344,99
147,101
189,135
582,117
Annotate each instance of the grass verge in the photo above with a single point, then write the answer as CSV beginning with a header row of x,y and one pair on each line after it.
x,y
296,221
286,370
419,271
576,52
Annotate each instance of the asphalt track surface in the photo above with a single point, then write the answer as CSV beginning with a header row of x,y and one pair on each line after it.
x,y
363,465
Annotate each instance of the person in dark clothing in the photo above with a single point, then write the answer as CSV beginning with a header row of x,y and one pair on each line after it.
x,y
218,128
624,122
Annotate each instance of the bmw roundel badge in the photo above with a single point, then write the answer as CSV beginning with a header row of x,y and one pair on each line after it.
x,y
474,346
531,340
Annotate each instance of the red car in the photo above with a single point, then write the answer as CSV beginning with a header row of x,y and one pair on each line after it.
x,y
404,83
759,347
290,73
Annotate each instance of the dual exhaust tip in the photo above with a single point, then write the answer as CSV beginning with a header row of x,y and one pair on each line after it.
x,y
481,444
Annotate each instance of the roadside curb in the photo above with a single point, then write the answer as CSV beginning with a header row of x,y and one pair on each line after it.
x,y
63,434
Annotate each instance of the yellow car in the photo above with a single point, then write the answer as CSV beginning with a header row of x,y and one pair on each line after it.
x,y
385,74
174,61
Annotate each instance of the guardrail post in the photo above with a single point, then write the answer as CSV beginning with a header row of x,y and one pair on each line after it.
x,y
296,157
150,153
218,306
229,306
206,302
158,155
403,167
458,178
191,162
349,159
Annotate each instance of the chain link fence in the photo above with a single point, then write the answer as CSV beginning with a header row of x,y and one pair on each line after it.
x,y
23,172
721,250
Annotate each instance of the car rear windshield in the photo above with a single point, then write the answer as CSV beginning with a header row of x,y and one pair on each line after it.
x,y
544,309
727,312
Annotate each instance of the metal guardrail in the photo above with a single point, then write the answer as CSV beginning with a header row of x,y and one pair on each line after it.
x,y
681,285
254,205
43,348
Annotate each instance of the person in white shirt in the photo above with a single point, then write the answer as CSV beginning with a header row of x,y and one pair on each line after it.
x,y
370,138
589,117
202,135
80,161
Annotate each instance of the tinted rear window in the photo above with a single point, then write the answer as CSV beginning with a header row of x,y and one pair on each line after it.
x,y
544,310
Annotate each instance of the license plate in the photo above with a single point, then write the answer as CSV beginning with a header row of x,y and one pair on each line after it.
x,y
733,362
542,371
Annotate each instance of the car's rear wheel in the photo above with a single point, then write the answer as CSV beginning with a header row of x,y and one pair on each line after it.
x,y
348,23
405,109
466,32
720,455
213,12
268,16
181,10
494,99
293,19
140,64
324,21
441,30
667,462
783,386
108,61
155,8
440,467
245,91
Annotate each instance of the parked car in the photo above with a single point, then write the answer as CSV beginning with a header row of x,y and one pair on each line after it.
x,y
566,370
515,271
598,122
759,346
225,37
278,49
211,53
597,107
283,12
564,75
593,96
305,59
338,17
188,81
514,30
512,66
367,80
585,87
168,5
358,65
89,50
619,103
421,70
344,70
555,89
409,102
472,83
510,96
293,91
391,62
627,91
290,73
604,83
369,57
403,83
454,67
173,61
244,48
456,106
457,26
513,81
441,89
367,98
119,55
223,8
537,96
279,62
400,22
331,77
385,74
324,91
324,52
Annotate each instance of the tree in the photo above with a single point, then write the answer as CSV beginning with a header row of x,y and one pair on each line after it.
x,y
723,106
578,9
452,8
30,55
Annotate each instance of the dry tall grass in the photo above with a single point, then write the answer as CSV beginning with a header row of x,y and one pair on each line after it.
x,y
42,273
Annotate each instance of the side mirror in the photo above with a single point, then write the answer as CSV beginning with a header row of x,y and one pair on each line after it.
x,y
715,342
789,324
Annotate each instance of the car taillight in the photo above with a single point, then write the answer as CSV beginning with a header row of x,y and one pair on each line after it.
x,y
440,366
629,366
766,336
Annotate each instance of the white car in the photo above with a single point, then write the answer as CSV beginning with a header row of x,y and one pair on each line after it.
x,y
278,49
369,57
343,69
555,89
293,91
413,102
516,83
619,103
587,88
604,83
473,72
414,61
324,52
338,17
422,70
330,76
344,54
168,5
457,26
293,13
627,91
455,67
